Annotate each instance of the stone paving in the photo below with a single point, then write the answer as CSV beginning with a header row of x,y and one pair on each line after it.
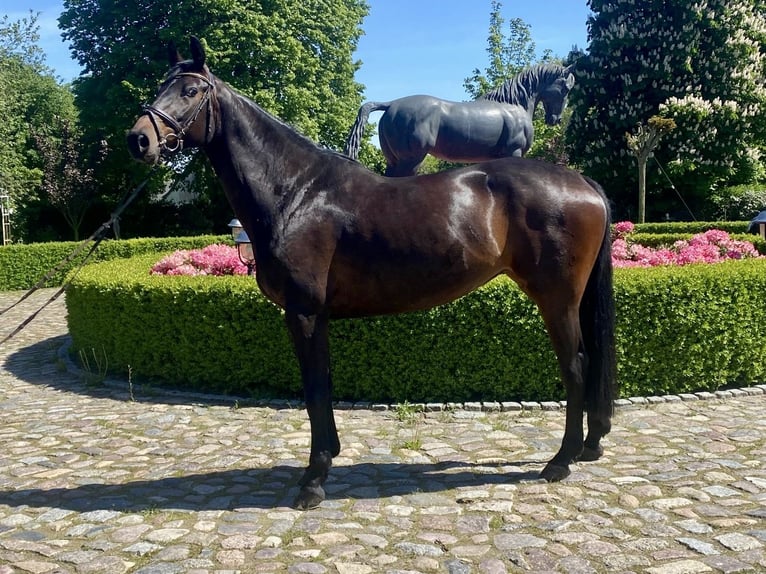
x,y
105,478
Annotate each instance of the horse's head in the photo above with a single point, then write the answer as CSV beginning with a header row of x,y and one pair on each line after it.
x,y
554,96
181,114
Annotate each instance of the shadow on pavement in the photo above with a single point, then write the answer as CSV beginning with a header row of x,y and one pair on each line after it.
x,y
73,379
260,488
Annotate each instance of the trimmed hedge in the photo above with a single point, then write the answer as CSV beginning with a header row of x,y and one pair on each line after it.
x,y
656,240
680,329
692,227
23,265
691,328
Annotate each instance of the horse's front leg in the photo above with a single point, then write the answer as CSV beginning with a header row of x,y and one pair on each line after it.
x,y
310,338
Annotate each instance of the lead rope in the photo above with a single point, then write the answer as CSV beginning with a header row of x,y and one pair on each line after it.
x,y
96,237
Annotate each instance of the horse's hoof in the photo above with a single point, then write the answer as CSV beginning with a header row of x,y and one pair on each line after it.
x,y
554,472
589,454
309,497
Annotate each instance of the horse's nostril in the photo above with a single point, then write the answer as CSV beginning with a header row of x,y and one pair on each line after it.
x,y
138,143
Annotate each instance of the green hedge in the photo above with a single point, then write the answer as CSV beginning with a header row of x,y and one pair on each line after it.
x,y
692,227
23,265
656,240
679,329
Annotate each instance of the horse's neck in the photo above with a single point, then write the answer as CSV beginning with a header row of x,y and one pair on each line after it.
x,y
528,84
521,90
258,158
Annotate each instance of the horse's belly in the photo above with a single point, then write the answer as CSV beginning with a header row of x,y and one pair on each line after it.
x,y
473,136
402,294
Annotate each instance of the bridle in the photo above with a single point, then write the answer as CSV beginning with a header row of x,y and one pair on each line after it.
x,y
174,141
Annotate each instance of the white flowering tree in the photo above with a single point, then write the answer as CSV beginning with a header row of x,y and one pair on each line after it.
x,y
698,62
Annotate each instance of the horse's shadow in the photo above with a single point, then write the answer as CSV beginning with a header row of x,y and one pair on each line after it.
x,y
261,488
264,488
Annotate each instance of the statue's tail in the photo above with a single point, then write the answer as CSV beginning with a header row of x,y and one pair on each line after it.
x,y
354,141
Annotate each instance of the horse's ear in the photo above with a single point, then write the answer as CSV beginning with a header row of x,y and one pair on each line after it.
x,y
197,51
568,73
173,56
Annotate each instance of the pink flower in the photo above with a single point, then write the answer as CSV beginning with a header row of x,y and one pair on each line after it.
x,y
624,227
716,236
621,229
214,259
710,247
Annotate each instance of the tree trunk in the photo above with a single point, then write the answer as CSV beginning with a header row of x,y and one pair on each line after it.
x,y
642,188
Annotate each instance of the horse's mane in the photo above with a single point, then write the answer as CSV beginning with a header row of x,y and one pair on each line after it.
x,y
517,90
250,106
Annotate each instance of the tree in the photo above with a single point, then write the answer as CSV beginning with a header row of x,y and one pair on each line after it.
x,y
30,97
293,57
19,39
507,55
642,145
68,183
698,63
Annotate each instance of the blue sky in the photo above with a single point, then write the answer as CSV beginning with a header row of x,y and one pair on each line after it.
x,y
409,46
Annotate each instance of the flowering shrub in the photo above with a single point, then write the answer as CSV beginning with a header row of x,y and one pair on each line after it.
x,y
217,259
711,246
621,229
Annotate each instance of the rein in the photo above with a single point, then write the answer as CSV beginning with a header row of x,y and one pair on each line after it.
x,y
96,237
174,141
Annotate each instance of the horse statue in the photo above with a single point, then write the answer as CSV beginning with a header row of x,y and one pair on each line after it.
x,y
498,124
335,240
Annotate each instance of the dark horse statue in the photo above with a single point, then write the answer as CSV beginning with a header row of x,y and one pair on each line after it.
x,y
498,124
333,240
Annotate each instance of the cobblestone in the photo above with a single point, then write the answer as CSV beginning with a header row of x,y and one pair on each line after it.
x,y
101,478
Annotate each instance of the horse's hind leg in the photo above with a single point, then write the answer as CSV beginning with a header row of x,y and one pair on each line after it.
x,y
403,168
599,425
396,165
310,338
566,337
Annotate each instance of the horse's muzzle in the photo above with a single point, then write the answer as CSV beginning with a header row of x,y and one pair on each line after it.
x,y
552,120
143,144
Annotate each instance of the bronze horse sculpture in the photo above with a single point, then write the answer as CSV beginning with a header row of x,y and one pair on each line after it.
x,y
334,240
498,124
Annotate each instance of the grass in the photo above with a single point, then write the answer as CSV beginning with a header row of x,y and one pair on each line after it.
x,y
95,366
411,415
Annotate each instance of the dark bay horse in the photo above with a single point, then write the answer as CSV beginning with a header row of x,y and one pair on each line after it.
x,y
332,240
499,124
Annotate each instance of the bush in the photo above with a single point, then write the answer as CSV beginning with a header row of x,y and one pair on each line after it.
x,y
679,329
23,265
712,246
691,227
740,202
659,240
697,327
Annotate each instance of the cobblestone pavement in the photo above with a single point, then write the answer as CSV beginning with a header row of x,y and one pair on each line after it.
x,y
96,479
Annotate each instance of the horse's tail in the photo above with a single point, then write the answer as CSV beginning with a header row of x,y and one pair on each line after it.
x,y
354,141
597,321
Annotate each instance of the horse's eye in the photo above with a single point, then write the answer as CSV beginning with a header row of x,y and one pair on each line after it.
x,y
190,92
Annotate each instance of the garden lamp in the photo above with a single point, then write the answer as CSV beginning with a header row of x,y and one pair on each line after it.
x,y
758,224
245,250
235,226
